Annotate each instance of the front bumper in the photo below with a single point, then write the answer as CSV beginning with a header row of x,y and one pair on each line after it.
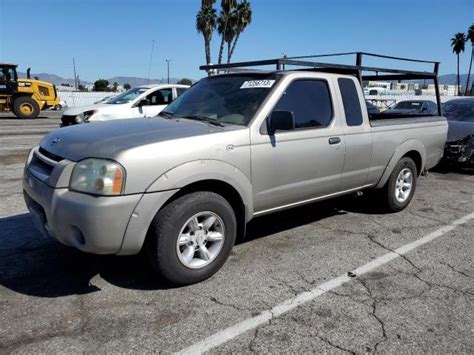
x,y
460,152
94,224
89,223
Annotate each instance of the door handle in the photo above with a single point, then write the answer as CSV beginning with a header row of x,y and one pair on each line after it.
x,y
334,140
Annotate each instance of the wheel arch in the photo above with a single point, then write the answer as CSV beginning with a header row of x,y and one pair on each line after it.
x,y
215,176
413,149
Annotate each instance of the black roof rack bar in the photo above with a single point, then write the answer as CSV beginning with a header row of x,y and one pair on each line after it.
x,y
357,69
279,62
397,77
366,54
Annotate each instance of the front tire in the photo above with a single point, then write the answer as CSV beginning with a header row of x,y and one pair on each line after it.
x,y
191,238
25,107
400,187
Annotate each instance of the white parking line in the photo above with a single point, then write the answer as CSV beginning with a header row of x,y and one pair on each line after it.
x,y
240,328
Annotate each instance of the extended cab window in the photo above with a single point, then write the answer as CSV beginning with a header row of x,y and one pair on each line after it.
x,y
310,102
351,102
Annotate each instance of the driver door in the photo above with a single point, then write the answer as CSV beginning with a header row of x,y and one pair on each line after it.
x,y
158,99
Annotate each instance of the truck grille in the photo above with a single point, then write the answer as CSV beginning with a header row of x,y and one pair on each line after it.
x,y
49,155
42,164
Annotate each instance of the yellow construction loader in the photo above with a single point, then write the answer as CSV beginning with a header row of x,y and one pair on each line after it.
x,y
25,97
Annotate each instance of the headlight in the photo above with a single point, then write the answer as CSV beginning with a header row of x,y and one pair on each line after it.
x,y
98,177
84,116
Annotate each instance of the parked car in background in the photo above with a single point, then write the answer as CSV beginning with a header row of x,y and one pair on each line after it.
x,y
105,99
374,91
62,104
141,101
459,149
413,107
371,108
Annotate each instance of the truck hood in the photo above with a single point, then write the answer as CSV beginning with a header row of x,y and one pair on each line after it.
x,y
74,111
108,139
458,130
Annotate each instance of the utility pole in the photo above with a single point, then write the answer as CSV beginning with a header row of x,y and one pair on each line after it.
x,y
75,75
168,65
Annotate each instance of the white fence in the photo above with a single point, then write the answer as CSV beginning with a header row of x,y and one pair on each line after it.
x,y
74,99
384,101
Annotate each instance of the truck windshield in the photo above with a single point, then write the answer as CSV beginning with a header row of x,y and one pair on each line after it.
x,y
127,96
232,99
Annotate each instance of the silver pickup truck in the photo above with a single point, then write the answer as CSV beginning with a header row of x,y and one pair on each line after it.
x,y
233,147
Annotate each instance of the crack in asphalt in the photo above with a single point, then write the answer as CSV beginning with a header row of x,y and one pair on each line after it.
x,y
289,286
455,270
373,240
216,301
418,270
335,345
374,313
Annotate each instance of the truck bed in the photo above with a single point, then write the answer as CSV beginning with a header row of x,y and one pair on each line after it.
x,y
378,120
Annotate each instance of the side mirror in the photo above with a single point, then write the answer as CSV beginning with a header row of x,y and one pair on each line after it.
x,y
280,121
143,102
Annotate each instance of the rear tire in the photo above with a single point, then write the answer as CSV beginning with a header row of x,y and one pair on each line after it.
x,y
183,243
25,107
400,187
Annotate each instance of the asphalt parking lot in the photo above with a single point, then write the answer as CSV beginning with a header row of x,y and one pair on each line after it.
x,y
284,289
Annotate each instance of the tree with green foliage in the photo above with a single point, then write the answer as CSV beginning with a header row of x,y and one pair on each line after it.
x,y
225,24
470,37
243,18
185,81
127,86
115,86
458,43
206,24
101,85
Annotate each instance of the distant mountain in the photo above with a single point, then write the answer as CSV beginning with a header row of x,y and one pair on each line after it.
x,y
133,81
55,79
451,79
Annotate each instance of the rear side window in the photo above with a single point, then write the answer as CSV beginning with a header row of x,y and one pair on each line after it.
x,y
310,102
351,102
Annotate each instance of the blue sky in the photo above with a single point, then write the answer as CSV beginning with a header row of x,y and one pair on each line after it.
x,y
114,37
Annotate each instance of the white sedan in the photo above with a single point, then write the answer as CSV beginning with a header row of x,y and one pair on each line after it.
x,y
141,101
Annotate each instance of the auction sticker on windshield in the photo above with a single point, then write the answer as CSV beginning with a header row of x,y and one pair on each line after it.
x,y
257,84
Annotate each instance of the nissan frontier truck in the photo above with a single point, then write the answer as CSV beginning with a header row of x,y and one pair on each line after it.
x,y
235,146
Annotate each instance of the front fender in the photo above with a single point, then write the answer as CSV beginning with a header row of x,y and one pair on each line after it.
x,y
200,170
404,148
169,183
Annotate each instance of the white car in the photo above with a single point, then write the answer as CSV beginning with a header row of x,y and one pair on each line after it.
x,y
141,101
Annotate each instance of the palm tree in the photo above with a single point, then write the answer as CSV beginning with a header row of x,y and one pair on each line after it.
x,y
206,24
243,19
470,37
225,23
458,43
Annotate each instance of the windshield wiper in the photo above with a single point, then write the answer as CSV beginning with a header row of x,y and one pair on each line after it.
x,y
165,114
209,120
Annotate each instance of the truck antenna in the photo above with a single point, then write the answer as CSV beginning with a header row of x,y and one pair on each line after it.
x,y
149,64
